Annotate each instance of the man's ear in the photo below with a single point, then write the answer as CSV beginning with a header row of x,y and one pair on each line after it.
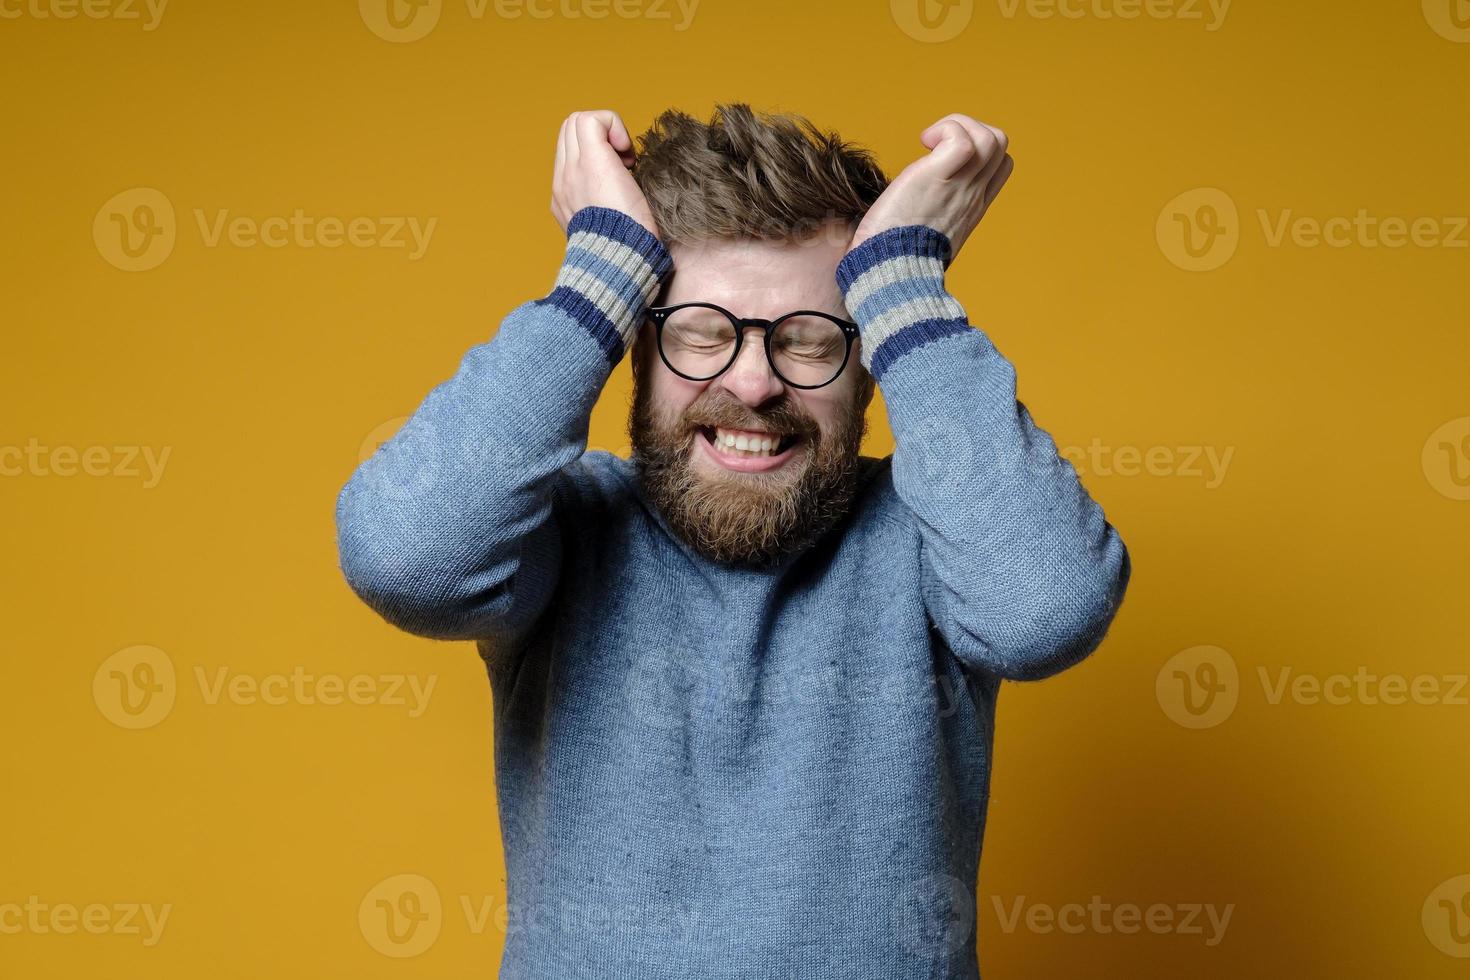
x,y
867,387
642,347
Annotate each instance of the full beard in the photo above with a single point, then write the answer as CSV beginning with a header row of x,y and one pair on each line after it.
x,y
750,519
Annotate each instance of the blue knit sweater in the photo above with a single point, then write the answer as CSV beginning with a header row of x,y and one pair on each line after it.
x,y
712,772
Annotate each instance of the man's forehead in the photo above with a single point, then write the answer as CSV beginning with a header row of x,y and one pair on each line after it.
x,y
759,277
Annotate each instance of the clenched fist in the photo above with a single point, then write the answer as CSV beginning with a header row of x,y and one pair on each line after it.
x,y
594,154
949,189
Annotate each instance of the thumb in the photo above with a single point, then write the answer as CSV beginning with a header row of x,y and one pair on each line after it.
x,y
950,148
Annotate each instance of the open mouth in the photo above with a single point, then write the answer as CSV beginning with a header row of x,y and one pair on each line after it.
x,y
747,443
747,450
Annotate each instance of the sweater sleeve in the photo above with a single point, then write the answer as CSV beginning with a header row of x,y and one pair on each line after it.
x,y
1022,572
448,531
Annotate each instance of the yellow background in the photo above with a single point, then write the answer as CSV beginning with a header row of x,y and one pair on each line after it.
x,y
1335,540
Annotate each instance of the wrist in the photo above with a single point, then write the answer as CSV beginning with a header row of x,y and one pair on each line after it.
x,y
613,270
893,286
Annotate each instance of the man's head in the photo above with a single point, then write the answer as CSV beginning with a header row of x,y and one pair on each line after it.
x,y
757,211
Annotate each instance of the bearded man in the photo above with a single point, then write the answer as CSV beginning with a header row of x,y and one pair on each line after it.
x,y
743,682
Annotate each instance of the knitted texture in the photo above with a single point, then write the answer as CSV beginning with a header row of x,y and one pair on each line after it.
x,y
715,772
612,271
894,288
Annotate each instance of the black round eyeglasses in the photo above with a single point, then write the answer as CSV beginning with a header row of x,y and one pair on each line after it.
x,y
806,349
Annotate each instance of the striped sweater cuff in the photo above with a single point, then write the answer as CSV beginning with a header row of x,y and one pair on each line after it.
x,y
614,268
893,285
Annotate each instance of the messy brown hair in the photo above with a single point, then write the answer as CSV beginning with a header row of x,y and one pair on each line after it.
x,y
751,175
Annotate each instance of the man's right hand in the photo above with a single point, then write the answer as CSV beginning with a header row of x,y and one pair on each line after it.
x,y
594,155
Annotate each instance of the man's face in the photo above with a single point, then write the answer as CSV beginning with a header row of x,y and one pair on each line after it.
x,y
795,477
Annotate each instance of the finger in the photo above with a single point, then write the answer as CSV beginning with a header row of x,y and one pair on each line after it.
x,y
1000,154
561,147
975,127
617,135
931,136
1002,174
991,142
574,149
1000,137
593,130
950,148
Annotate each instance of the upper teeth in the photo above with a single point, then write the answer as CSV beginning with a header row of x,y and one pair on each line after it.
x,y
755,443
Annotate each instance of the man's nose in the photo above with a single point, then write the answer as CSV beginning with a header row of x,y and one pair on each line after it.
x,y
750,378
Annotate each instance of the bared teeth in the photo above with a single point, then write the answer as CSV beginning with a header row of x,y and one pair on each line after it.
x,y
745,442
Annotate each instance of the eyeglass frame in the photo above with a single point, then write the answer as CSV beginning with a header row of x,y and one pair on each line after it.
x,y
660,316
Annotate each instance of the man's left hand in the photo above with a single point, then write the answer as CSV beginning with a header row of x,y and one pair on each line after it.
x,y
950,188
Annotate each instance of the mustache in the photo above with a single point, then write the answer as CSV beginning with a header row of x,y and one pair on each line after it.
x,y
782,418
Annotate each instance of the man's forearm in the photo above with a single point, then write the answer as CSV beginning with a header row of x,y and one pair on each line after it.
x,y
1024,571
447,530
